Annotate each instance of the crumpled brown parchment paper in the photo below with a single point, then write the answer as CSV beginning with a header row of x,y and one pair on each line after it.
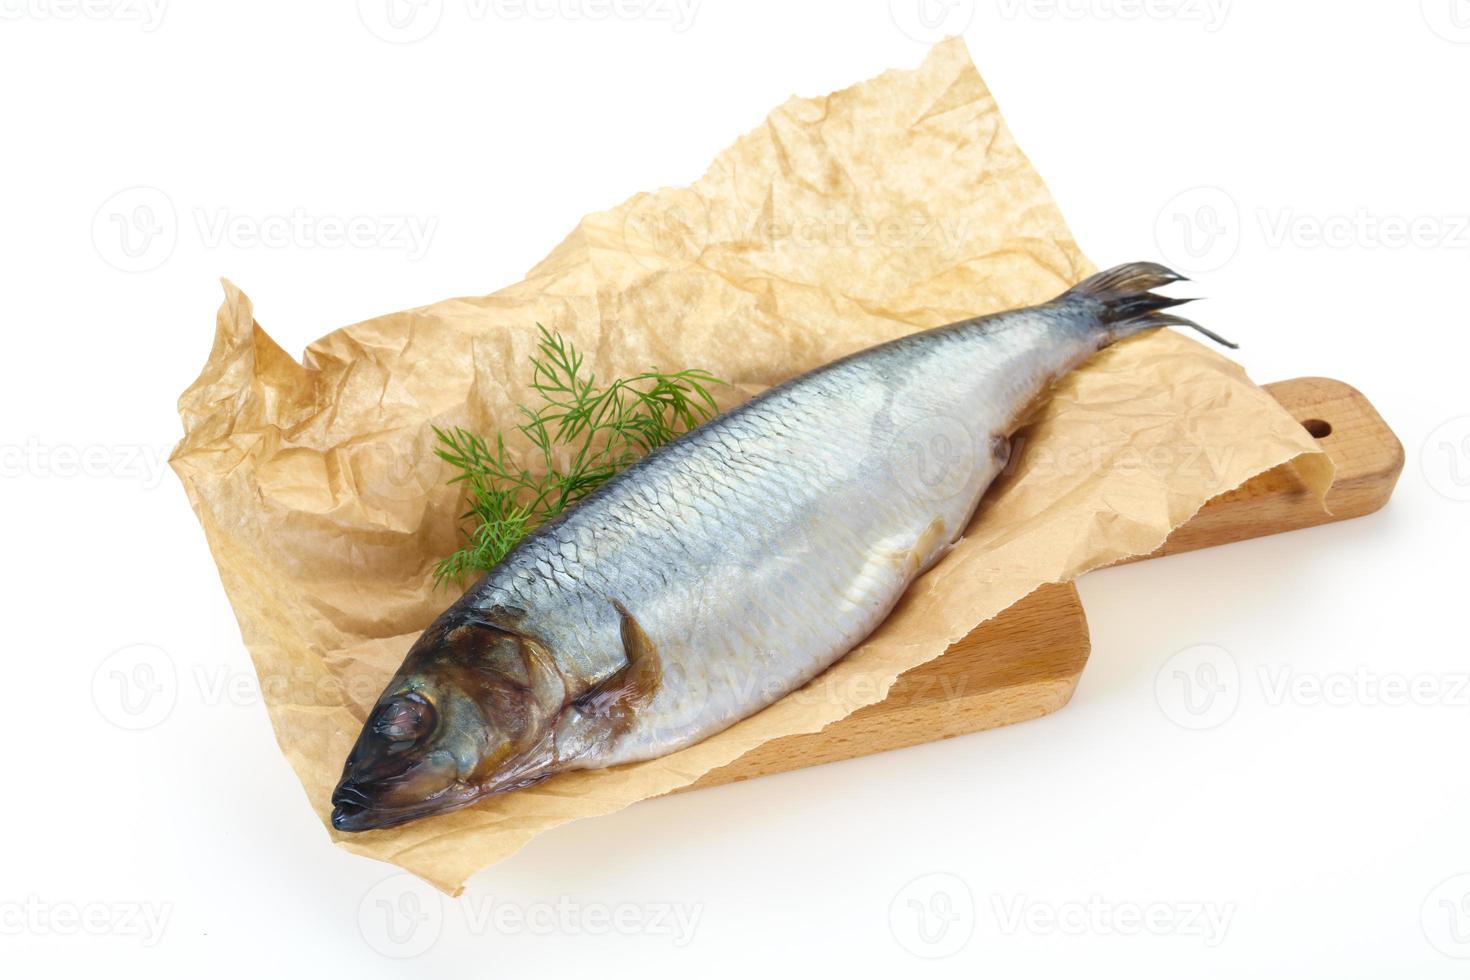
x,y
897,204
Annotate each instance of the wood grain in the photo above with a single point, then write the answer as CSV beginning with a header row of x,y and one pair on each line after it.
x,y
1025,663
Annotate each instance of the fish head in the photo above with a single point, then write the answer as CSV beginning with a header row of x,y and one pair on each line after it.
x,y
470,713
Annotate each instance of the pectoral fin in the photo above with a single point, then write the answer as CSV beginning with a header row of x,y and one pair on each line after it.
x,y
635,684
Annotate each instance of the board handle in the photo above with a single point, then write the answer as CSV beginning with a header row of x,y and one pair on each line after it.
x,y
1366,453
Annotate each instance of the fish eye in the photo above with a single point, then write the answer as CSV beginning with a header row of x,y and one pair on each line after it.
x,y
404,718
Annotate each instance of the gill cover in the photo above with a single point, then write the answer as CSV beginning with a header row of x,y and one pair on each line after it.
x,y
472,699
479,707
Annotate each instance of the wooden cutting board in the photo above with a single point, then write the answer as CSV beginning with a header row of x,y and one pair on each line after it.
x,y
1025,663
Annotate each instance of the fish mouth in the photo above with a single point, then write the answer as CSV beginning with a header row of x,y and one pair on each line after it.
x,y
353,817
353,811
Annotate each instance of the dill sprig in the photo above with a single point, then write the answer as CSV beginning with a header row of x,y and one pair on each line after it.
x,y
580,435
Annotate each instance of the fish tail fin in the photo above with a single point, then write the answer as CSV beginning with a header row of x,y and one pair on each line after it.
x,y
1127,305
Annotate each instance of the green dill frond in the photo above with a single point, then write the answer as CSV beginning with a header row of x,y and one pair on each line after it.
x,y
580,435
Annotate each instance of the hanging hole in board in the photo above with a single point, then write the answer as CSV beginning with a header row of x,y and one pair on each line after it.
x,y
1317,428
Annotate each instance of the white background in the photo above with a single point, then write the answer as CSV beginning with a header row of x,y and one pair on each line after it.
x,y
1323,833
